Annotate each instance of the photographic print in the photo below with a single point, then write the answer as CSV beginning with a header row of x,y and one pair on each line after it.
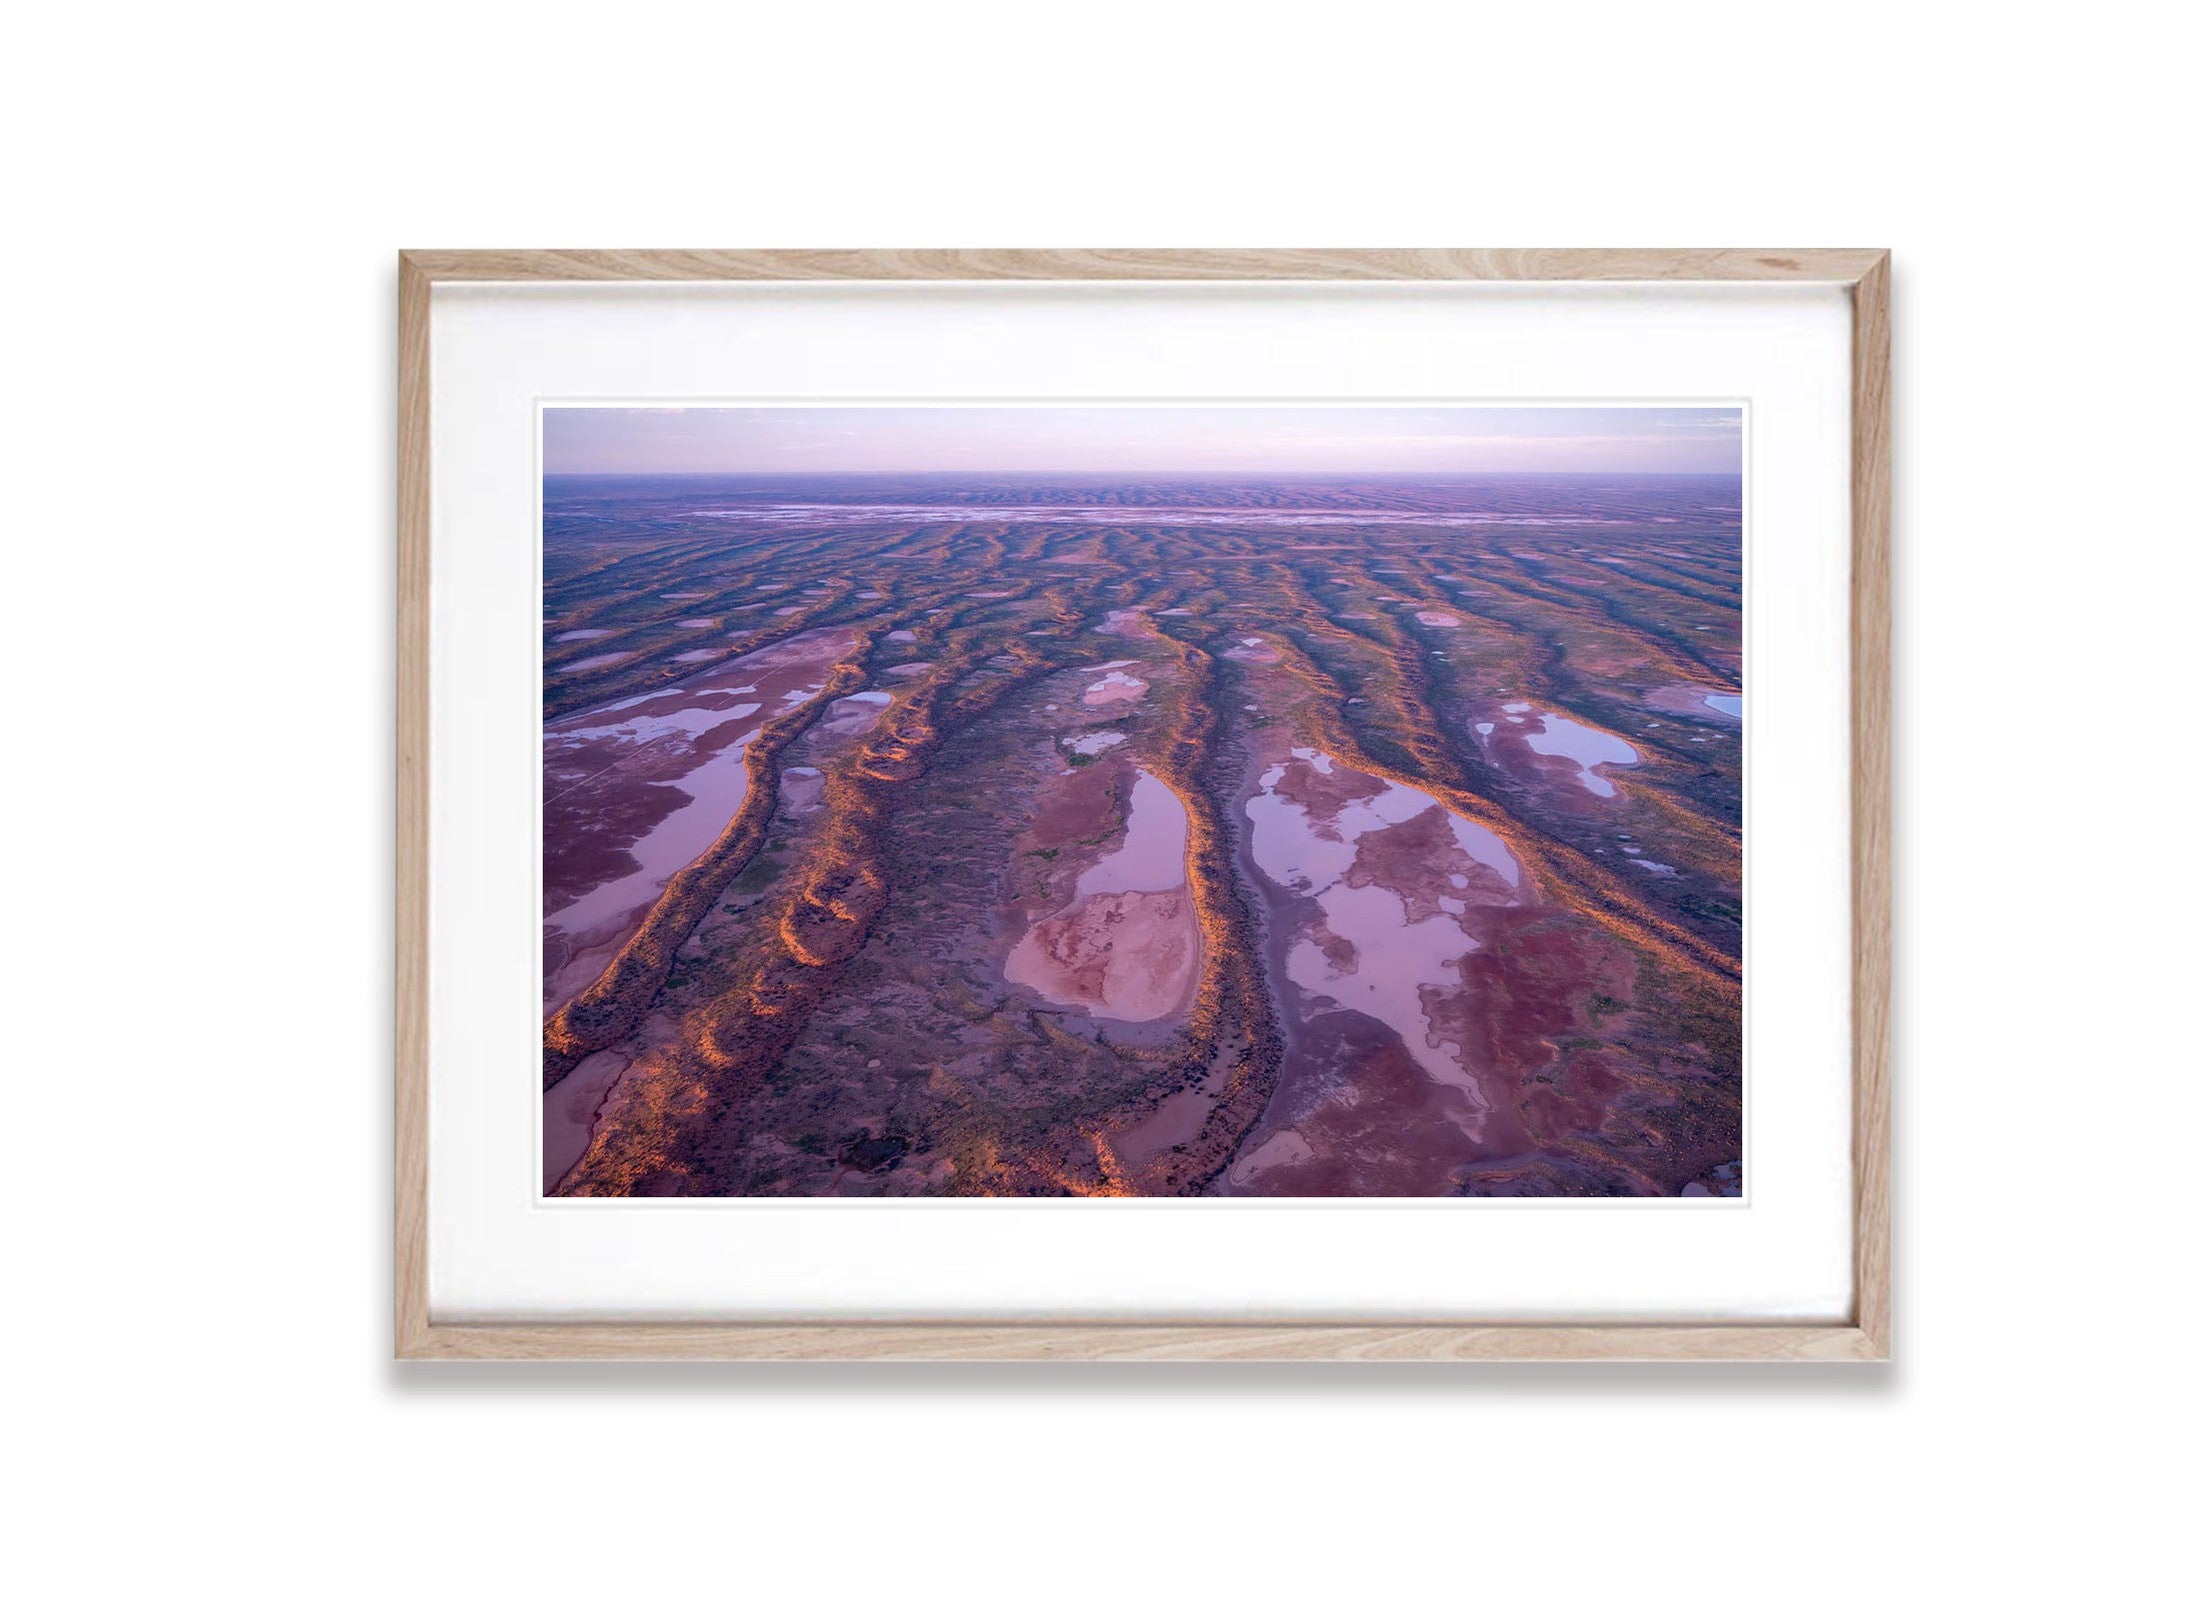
x,y
1280,801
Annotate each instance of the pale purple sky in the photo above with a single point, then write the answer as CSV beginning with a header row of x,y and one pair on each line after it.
x,y
1222,439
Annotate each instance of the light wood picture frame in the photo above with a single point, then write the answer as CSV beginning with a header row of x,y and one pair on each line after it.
x,y
1862,1335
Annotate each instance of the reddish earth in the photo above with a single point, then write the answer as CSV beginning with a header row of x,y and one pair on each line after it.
x,y
1379,1128
1129,956
1126,944
1383,900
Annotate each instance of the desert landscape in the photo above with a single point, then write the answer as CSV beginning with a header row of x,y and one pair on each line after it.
x,y
1016,832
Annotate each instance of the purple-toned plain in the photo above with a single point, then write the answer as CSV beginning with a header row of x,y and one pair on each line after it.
x,y
1225,802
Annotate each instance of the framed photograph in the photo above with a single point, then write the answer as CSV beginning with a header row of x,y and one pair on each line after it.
x,y
1143,804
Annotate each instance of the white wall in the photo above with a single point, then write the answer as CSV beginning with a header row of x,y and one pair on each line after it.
x,y
199,519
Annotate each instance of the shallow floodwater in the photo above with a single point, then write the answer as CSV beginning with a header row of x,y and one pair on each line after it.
x,y
1150,857
1127,945
1587,747
595,660
854,714
654,742
1114,688
569,1112
1286,1148
1393,957
716,789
